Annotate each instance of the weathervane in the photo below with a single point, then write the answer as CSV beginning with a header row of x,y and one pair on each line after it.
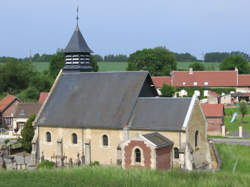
x,y
77,17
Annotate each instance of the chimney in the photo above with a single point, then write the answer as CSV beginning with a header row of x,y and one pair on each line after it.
x,y
190,71
236,69
125,132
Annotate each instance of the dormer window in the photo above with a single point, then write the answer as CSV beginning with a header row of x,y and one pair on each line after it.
x,y
22,112
195,83
205,83
183,83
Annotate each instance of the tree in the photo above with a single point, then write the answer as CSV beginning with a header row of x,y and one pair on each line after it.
x,y
197,66
243,109
167,90
235,61
185,57
27,134
158,61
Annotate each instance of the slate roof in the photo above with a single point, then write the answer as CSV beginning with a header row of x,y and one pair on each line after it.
x,y
77,43
6,101
244,80
43,97
25,110
213,78
158,139
160,80
213,110
160,113
94,100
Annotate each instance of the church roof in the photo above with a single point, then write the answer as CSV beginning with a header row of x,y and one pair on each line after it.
x,y
93,100
77,44
160,113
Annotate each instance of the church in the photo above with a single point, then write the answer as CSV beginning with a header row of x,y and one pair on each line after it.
x,y
117,118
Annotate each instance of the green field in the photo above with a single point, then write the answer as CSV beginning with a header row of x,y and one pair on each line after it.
x,y
113,176
232,127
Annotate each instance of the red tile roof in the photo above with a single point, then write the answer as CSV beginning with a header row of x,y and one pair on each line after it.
x,y
244,80
159,81
201,78
6,101
43,96
213,110
213,93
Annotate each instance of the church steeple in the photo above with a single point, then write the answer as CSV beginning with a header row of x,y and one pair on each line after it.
x,y
77,52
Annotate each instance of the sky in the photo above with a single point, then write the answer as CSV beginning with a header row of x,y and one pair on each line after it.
x,y
124,26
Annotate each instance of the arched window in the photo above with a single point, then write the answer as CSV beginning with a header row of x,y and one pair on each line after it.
x,y
176,152
137,155
48,136
74,138
105,140
196,138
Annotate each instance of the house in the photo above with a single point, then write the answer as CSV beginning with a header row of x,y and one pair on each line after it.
x,y
7,107
117,118
215,117
22,113
206,79
43,96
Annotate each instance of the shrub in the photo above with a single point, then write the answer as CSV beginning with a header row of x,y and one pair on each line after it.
x,y
46,164
93,164
6,141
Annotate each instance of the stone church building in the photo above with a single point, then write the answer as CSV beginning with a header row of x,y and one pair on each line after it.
x,y
117,118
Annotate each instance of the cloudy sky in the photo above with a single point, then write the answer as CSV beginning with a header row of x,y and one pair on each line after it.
x,y
124,26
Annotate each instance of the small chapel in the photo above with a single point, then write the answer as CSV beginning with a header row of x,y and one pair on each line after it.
x,y
117,118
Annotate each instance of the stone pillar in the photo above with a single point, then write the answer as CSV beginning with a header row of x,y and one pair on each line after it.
x,y
87,153
125,133
59,151
223,129
240,131
34,159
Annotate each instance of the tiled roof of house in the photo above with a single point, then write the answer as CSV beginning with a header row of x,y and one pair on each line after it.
x,y
244,80
43,97
204,78
6,101
25,110
160,80
213,110
213,93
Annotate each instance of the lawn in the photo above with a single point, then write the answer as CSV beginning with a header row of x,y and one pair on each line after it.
x,y
208,65
230,153
112,66
232,127
113,176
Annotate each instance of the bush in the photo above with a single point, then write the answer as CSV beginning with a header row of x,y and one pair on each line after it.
x,y
167,90
46,164
27,134
6,141
93,164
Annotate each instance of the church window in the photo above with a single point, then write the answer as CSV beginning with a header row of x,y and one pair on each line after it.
x,y
74,138
137,155
196,138
105,141
48,136
176,152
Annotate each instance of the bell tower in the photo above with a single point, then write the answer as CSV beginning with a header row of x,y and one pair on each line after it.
x,y
77,53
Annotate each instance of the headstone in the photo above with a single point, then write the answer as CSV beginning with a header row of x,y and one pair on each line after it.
x,y
240,131
88,153
223,130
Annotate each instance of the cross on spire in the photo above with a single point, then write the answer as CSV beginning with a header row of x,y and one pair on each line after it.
x,y
77,17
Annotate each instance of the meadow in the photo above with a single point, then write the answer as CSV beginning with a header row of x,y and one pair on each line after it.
x,y
234,126
114,176
121,66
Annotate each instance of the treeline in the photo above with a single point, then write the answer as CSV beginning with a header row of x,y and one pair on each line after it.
x,y
220,56
36,58
185,57
111,58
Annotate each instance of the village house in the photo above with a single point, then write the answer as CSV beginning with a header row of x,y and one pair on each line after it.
x,y
7,108
117,118
22,113
43,96
215,117
206,79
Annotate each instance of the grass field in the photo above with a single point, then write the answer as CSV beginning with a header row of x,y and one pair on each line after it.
x,y
112,176
232,127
